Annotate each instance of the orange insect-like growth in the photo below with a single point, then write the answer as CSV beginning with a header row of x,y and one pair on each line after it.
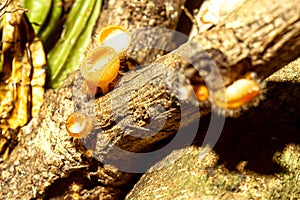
x,y
201,93
78,125
116,37
237,94
100,67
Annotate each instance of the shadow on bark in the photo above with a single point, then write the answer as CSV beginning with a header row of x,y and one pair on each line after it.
x,y
257,135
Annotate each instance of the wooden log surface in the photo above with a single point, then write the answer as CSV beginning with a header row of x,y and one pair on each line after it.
x,y
261,36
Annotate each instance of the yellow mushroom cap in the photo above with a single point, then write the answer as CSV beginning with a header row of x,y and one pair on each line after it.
x,y
100,67
238,94
78,125
116,37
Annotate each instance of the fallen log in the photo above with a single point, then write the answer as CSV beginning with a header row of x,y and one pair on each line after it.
x,y
260,37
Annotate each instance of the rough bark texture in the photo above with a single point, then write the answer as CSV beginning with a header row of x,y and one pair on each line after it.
x,y
259,37
257,155
47,161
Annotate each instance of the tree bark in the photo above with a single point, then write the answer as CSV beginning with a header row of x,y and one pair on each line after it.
x,y
260,36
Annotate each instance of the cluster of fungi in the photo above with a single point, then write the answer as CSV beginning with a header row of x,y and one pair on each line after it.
x,y
99,67
101,63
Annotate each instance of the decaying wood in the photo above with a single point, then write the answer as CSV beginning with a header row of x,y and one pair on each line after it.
x,y
47,161
256,39
210,14
134,15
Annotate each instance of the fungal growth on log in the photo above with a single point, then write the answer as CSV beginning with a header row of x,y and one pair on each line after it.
x,y
116,37
78,125
237,96
100,65
150,107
